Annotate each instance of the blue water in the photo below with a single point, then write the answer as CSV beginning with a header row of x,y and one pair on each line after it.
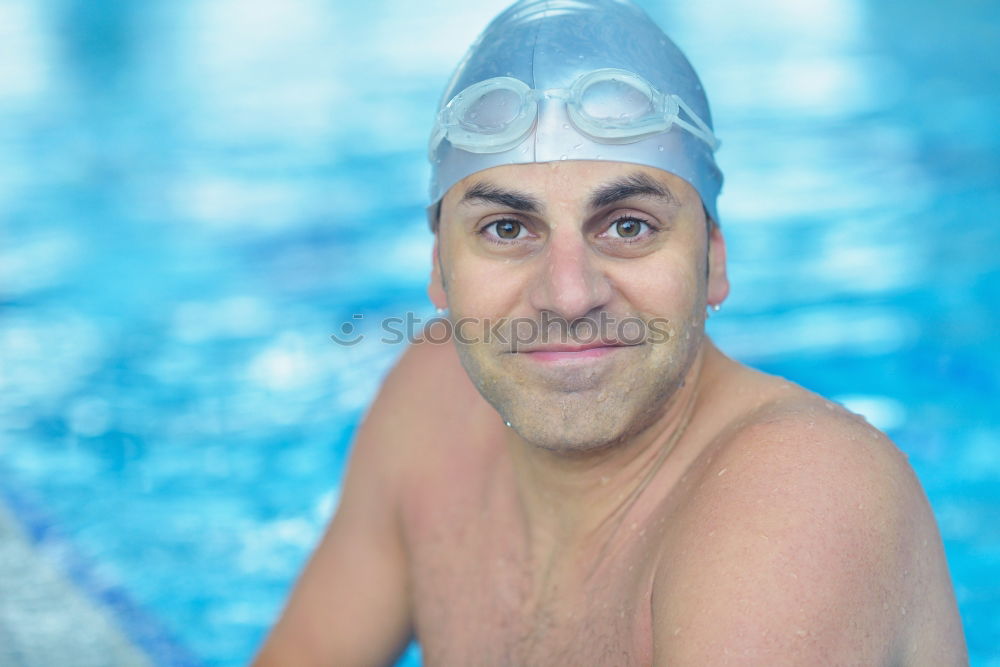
x,y
195,195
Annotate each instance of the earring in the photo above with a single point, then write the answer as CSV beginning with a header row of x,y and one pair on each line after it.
x,y
441,311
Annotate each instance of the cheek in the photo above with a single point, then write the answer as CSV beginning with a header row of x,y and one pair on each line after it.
x,y
479,288
668,286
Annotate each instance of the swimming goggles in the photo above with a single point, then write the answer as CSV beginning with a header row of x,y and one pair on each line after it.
x,y
608,105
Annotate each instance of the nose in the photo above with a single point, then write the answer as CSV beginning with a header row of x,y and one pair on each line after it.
x,y
571,281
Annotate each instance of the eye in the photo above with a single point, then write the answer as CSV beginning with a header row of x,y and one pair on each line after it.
x,y
504,230
629,228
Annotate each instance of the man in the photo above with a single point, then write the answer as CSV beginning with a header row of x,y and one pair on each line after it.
x,y
580,477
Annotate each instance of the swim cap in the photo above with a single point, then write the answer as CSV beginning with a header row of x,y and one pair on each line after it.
x,y
574,80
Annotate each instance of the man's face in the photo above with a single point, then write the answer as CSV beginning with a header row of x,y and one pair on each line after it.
x,y
599,275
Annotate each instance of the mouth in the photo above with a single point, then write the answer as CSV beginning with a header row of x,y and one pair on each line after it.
x,y
571,353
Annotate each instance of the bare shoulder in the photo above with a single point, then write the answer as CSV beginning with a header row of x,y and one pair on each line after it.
x,y
426,382
804,535
426,388
352,603
428,422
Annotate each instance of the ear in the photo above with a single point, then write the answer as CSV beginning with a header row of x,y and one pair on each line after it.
x,y
718,281
436,288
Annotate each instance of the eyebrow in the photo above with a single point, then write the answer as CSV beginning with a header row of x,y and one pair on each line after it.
x,y
636,184
633,185
491,194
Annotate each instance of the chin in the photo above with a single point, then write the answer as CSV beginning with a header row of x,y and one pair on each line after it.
x,y
581,423
575,436
577,422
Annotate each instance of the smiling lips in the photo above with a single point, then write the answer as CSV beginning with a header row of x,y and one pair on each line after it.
x,y
550,353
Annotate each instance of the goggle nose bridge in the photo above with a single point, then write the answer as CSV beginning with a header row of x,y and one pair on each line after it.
x,y
564,94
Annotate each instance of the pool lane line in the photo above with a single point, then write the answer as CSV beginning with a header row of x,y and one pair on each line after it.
x,y
138,625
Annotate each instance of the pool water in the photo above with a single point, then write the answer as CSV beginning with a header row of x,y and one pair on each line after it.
x,y
195,195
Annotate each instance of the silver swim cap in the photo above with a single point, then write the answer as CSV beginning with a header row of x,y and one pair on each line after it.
x,y
574,80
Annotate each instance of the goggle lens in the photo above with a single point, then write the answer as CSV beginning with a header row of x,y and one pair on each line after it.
x,y
615,102
492,112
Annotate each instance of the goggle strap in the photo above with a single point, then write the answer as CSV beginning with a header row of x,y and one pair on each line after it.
x,y
700,129
437,136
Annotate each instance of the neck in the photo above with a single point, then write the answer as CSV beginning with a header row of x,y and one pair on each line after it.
x,y
582,503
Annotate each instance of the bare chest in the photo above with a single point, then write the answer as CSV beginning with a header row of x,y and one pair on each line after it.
x,y
478,602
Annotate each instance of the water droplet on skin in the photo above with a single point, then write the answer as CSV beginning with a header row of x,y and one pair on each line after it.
x,y
507,424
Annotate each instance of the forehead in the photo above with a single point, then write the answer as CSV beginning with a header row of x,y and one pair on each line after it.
x,y
571,181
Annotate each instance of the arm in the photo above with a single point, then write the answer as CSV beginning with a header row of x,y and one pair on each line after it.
x,y
350,605
815,547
